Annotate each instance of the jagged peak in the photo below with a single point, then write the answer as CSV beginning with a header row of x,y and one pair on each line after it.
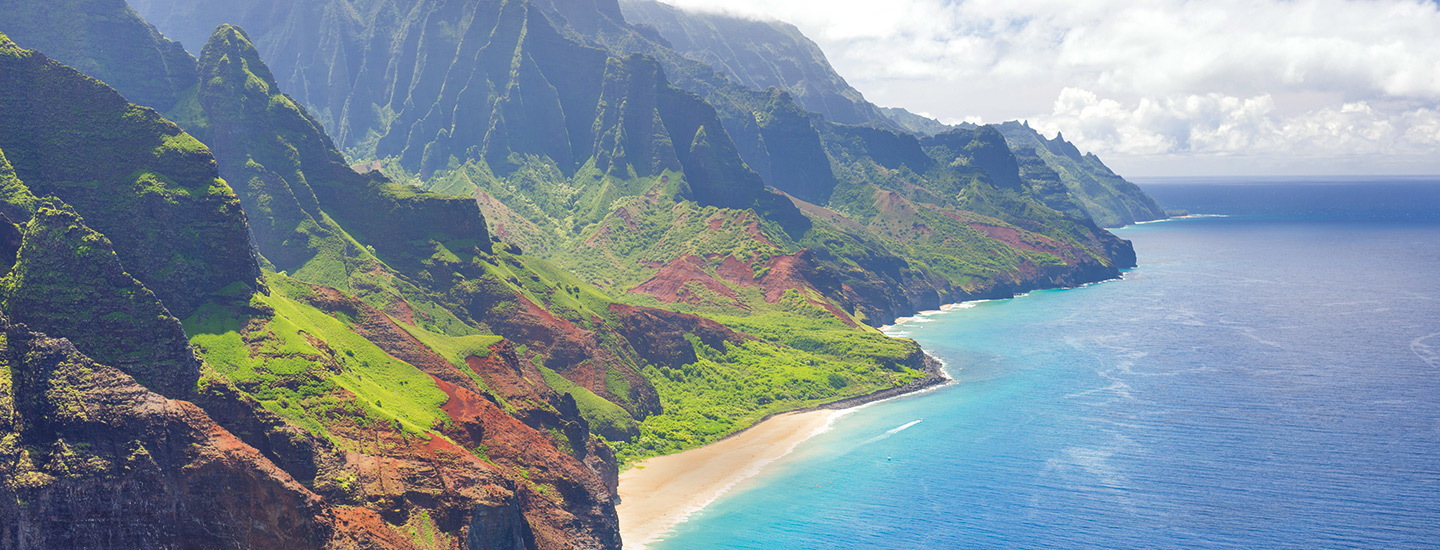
x,y
228,40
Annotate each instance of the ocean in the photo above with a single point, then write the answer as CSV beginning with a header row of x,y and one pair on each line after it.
x,y
1265,379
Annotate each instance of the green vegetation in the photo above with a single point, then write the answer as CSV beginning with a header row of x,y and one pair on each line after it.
x,y
425,534
728,391
68,280
72,137
294,359
454,348
129,55
1106,197
605,418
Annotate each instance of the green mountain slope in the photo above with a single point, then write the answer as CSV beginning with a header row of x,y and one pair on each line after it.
x,y
190,240
591,143
758,55
108,41
770,54
915,124
1109,199
1097,191
394,352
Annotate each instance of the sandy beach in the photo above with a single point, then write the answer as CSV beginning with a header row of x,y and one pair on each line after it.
x,y
661,492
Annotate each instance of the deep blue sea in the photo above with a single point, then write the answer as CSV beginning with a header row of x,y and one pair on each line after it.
x,y
1269,379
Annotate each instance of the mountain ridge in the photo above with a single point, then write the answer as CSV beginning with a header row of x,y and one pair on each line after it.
x,y
697,255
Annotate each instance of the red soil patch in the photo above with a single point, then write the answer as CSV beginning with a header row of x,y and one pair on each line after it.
x,y
364,524
786,273
753,229
735,271
389,336
513,379
598,236
1015,238
625,216
659,336
670,283
401,310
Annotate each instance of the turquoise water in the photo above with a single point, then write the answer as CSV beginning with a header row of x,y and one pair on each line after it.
x,y
1265,380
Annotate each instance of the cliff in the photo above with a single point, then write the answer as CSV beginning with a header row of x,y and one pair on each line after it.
x,y
109,41
698,254
335,443
149,187
756,54
1109,199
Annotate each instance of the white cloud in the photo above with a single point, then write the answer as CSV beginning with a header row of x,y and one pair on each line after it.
x,y
1156,77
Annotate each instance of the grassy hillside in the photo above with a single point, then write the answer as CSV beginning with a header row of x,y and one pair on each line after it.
x,y
580,249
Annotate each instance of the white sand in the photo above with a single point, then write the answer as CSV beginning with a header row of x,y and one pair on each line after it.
x,y
661,492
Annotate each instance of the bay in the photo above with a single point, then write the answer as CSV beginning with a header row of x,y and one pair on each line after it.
x,y
1266,379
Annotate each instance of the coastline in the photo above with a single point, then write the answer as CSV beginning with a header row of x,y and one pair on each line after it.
x,y
661,492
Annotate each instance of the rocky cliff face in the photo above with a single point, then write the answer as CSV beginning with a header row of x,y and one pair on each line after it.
x,y
1106,197
758,55
67,280
91,458
94,457
152,189
109,41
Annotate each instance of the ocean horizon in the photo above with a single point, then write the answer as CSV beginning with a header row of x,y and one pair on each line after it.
x,y
1267,377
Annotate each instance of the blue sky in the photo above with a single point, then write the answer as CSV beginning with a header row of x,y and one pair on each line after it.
x,y
1156,87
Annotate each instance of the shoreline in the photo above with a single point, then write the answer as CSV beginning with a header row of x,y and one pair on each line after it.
x,y
660,493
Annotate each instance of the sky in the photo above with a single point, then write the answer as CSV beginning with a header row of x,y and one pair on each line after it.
x,y
1155,87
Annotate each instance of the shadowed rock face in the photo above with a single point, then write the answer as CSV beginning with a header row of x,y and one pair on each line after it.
x,y
67,280
153,190
93,459
107,40
757,54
